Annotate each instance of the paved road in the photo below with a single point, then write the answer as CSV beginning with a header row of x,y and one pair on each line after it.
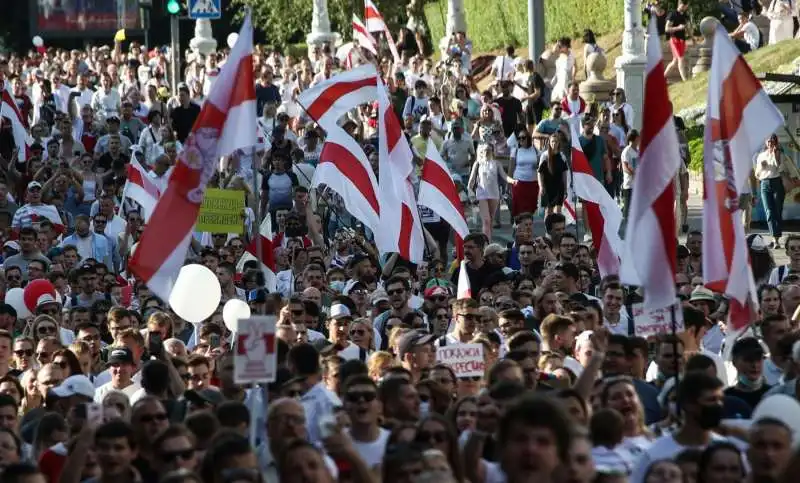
x,y
504,234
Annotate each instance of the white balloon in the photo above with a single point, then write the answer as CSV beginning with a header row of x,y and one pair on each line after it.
x,y
234,310
232,38
16,298
196,293
37,41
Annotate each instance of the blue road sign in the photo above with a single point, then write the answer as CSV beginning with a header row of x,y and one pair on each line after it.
x,y
210,9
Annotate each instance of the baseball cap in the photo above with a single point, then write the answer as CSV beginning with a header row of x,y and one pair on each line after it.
x,y
436,291
340,311
34,184
756,243
204,396
494,249
112,118
46,298
378,295
411,339
78,385
12,244
702,294
85,268
749,348
351,286
120,355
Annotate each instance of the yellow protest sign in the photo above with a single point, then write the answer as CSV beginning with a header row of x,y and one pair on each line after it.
x,y
119,36
221,212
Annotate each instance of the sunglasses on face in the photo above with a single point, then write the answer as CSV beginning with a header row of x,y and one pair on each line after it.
x,y
53,311
46,329
23,352
358,332
356,396
171,456
432,436
42,355
399,291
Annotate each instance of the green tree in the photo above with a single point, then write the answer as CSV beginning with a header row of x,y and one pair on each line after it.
x,y
288,21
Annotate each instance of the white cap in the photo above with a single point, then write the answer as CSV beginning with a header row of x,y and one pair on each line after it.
x,y
78,385
340,311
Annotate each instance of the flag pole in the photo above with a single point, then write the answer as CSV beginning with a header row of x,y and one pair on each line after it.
x,y
257,197
675,349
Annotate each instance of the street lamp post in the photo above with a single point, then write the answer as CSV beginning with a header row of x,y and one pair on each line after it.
x,y
535,29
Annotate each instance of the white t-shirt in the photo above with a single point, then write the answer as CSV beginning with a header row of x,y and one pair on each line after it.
x,y
101,391
751,34
372,452
630,156
663,448
503,67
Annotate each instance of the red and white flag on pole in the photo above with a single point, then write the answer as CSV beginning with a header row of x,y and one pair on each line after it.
x,y
375,23
19,125
464,289
267,256
344,168
740,117
226,123
140,188
602,212
438,192
400,228
327,101
362,37
650,237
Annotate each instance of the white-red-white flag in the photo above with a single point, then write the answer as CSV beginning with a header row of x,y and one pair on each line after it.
x,y
649,258
438,192
400,227
344,168
266,257
362,37
375,23
19,125
140,188
739,118
225,123
327,101
464,289
602,212
37,214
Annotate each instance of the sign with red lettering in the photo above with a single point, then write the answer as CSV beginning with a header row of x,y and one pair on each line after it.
x,y
648,323
466,360
255,357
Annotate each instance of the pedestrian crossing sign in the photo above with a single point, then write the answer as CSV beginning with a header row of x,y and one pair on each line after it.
x,y
205,9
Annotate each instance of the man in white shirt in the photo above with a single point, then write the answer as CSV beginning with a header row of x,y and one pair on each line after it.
x,y
122,367
318,402
504,66
339,332
360,394
746,36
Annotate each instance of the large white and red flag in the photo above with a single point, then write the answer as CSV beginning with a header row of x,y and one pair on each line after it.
x,y
39,213
362,37
226,123
400,227
464,288
327,101
266,257
602,213
140,188
438,192
375,23
649,259
19,125
739,118
344,168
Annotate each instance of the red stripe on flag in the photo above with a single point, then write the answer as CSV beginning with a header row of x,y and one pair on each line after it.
x,y
352,169
243,89
738,89
726,229
329,96
393,129
596,222
659,112
406,226
433,173
267,255
664,209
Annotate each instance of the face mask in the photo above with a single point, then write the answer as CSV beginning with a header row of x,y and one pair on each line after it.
x,y
424,408
337,286
710,416
745,382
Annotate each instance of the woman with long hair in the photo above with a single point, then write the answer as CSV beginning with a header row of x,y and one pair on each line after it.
x,y
620,394
523,163
463,414
552,174
484,180
768,170
721,462
434,432
68,362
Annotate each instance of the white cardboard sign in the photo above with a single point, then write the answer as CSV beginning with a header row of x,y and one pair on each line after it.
x,y
255,359
648,323
466,360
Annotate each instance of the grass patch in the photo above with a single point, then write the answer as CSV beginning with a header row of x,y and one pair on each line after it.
x,y
771,58
493,25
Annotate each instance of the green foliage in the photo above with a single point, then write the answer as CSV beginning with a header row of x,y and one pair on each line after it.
x,y
694,133
288,21
698,9
506,22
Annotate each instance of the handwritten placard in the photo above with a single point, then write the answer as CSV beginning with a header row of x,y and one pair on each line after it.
x,y
648,323
466,360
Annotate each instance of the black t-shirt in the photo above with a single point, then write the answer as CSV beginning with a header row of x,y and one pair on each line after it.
x,y
183,118
510,112
554,182
677,18
107,161
265,94
752,398
478,277
536,82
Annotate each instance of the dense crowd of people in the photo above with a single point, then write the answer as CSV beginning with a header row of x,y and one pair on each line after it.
x,y
102,381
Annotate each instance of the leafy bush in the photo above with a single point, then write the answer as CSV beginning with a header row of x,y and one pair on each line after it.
x,y
694,133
